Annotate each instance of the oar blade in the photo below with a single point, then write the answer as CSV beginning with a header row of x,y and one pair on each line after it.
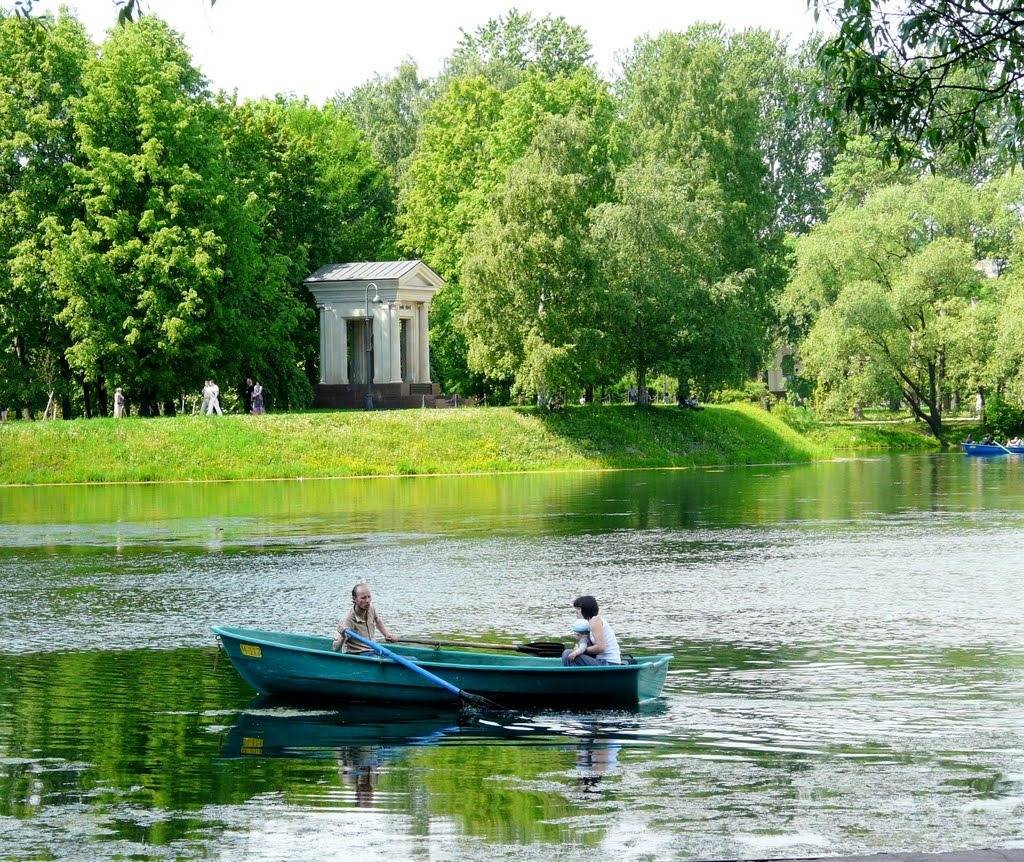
x,y
542,649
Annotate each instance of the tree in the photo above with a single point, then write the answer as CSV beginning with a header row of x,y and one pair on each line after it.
x,y
141,272
797,146
885,292
533,311
389,111
506,47
314,194
687,101
471,136
41,65
943,75
653,244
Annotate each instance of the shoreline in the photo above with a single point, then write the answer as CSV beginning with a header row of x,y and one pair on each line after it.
x,y
391,444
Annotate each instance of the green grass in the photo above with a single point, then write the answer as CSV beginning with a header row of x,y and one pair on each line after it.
x,y
500,439
869,436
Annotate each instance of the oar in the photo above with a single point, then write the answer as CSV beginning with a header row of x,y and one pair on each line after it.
x,y
1001,446
468,697
547,649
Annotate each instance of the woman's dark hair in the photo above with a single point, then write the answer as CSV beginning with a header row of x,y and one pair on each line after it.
x,y
587,606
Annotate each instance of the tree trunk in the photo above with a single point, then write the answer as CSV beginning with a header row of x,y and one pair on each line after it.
x,y
170,408
588,394
67,410
641,386
101,396
86,398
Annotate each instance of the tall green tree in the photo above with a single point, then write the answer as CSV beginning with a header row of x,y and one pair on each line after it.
x,y
687,101
471,137
658,248
507,47
389,111
534,314
142,272
41,65
797,145
886,292
314,194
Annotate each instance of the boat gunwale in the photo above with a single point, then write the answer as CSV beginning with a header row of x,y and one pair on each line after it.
x,y
641,662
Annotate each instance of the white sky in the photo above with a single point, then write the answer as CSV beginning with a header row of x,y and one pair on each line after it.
x,y
318,47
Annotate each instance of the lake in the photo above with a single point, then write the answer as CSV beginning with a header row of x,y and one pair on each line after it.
x,y
848,672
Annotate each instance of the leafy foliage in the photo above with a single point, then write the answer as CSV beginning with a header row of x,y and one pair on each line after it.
x,y
884,292
942,74
508,47
1003,419
41,68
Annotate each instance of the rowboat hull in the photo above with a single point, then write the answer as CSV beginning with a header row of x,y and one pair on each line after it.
x,y
987,449
305,667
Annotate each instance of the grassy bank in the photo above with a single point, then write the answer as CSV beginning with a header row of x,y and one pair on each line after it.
x,y
869,436
408,442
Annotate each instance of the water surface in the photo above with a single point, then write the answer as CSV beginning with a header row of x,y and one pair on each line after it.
x,y
848,673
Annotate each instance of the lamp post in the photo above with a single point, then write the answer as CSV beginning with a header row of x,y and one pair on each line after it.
x,y
369,342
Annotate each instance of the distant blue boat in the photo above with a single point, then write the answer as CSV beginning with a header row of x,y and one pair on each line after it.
x,y
305,666
987,449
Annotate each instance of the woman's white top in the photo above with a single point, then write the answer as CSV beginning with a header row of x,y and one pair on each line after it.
x,y
611,653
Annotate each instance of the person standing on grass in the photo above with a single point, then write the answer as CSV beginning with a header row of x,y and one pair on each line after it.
x,y
257,400
118,403
247,394
205,406
214,400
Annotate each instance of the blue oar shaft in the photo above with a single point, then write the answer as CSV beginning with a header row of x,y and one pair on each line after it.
x,y
402,660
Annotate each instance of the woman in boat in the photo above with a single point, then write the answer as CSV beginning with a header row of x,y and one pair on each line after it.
x,y
363,619
601,647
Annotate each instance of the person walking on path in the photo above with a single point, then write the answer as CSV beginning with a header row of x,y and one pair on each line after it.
x,y
205,406
257,400
118,403
214,400
247,395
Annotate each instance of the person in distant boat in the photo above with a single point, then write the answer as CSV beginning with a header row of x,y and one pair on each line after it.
x,y
600,647
363,619
986,440
1014,441
969,438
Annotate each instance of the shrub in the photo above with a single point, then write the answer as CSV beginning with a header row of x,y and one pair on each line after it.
x,y
1003,419
753,391
800,419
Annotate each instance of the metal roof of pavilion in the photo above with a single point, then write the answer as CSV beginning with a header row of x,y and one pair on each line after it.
x,y
365,270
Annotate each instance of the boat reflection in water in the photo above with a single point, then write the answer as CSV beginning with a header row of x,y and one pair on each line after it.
x,y
365,739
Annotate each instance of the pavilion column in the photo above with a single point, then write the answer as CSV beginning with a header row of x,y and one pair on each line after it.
x,y
412,348
359,350
424,339
395,343
341,342
323,344
380,354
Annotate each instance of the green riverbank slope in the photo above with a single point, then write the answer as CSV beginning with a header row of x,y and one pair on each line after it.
x,y
495,439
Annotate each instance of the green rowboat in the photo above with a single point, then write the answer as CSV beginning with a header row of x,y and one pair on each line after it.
x,y
305,667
